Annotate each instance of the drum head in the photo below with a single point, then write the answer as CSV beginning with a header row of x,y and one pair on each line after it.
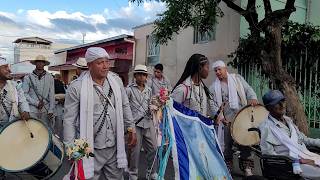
x,y
18,150
248,117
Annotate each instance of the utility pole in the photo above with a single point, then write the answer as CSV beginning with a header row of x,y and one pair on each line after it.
x,y
83,35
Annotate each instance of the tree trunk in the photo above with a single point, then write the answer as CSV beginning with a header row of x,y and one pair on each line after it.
x,y
272,65
294,107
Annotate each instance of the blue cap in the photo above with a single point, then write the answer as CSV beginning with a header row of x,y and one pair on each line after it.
x,y
272,97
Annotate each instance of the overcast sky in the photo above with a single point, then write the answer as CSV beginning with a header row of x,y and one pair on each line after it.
x,y
66,20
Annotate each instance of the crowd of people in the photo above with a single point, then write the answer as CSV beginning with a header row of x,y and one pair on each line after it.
x,y
117,120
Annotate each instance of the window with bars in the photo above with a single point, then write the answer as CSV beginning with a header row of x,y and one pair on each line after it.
x,y
153,51
203,37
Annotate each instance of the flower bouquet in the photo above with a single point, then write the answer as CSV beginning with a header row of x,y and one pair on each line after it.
x,y
79,149
157,103
76,152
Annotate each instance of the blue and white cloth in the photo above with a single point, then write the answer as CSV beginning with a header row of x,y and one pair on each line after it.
x,y
193,141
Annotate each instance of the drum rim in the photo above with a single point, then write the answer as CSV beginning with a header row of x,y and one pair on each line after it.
x,y
42,157
63,149
231,126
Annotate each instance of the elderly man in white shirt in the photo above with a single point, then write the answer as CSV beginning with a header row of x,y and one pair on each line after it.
x,y
279,136
236,93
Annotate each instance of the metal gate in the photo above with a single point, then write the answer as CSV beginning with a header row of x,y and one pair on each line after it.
x,y
304,70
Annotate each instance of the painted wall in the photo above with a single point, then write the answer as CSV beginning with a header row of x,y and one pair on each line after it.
x,y
314,12
300,15
176,53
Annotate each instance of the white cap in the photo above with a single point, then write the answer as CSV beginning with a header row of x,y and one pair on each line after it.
x,y
218,63
94,53
3,61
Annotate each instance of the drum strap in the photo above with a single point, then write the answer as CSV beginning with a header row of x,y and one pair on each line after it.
x,y
40,98
2,103
105,110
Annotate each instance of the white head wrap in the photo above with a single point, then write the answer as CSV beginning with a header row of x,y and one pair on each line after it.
x,y
3,61
94,53
218,63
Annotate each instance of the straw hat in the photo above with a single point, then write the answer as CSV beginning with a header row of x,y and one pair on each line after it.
x,y
81,63
40,58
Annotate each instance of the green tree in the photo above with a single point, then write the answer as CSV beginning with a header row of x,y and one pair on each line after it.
x,y
204,14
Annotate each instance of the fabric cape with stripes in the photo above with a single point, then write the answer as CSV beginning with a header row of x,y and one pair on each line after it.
x,y
192,139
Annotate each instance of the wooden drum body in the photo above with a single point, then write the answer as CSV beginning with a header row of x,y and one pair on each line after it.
x,y
248,117
40,156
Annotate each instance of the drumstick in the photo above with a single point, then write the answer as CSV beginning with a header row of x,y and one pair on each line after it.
x,y
215,117
27,125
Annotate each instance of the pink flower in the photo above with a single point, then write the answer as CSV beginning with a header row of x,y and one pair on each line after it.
x,y
163,95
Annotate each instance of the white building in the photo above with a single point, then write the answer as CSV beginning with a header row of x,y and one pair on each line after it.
x,y
26,49
217,44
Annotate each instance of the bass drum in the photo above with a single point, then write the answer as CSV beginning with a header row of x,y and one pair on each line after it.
x,y
248,117
39,156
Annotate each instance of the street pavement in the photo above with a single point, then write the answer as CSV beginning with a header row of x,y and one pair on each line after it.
x,y
237,174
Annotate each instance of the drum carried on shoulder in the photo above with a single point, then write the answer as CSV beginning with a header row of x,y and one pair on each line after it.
x,y
39,155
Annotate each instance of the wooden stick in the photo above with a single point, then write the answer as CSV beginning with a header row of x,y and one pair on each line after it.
x,y
27,125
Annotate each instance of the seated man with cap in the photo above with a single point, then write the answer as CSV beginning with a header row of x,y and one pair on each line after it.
x,y
97,109
280,136
139,94
13,104
38,87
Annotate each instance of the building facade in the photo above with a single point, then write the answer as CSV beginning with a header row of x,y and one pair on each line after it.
x,y
26,49
120,49
217,44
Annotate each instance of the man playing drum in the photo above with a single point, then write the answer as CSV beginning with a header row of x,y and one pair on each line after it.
x,y
13,104
38,87
97,109
279,136
236,93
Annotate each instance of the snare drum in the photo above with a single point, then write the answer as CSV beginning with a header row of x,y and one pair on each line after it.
x,y
248,117
40,156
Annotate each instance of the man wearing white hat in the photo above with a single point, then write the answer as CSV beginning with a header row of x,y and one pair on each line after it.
x,y
81,66
38,87
13,104
236,93
97,109
139,94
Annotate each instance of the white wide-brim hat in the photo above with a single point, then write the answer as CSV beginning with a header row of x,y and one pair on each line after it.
x,y
139,68
81,63
40,58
